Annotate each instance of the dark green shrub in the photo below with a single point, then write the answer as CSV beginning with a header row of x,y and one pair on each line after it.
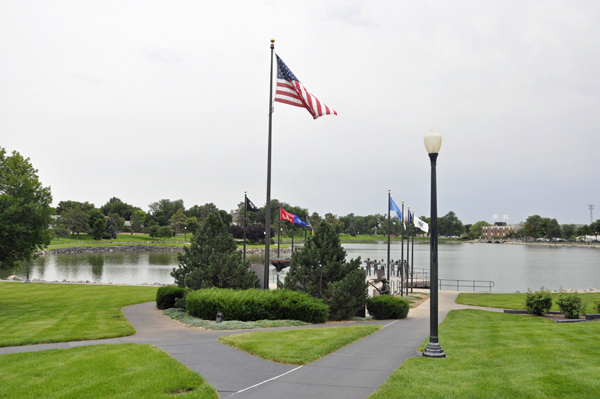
x,y
166,296
254,304
597,307
538,303
384,307
571,305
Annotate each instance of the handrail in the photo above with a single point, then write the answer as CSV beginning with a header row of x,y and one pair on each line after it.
x,y
463,283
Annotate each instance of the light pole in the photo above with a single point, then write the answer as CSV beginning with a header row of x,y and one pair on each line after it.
x,y
433,142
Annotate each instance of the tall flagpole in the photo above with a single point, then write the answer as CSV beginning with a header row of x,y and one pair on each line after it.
x,y
407,254
245,222
268,210
278,229
402,257
389,233
412,258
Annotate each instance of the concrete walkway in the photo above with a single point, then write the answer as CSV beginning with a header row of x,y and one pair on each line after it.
x,y
355,371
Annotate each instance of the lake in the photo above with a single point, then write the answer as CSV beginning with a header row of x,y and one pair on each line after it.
x,y
511,267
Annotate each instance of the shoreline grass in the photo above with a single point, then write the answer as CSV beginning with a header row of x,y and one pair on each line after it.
x,y
100,371
46,313
298,347
497,355
517,301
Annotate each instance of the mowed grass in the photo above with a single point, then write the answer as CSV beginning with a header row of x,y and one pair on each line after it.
x,y
101,371
497,355
297,346
43,313
517,300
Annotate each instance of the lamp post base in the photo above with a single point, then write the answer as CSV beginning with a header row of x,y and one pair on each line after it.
x,y
434,349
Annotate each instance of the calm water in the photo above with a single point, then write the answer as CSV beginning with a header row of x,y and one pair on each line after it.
x,y
511,267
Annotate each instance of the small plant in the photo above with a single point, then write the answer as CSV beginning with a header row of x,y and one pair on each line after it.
x,y
597,307
571,305
166,296
384,307
538,303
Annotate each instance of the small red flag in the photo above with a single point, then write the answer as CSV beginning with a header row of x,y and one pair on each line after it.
x,y
285,215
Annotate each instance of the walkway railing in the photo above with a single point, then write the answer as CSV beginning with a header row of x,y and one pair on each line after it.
x,y
466,284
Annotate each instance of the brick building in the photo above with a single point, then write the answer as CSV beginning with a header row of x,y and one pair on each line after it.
x,y
498,230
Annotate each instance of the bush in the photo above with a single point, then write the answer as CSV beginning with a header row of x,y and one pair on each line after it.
x,y
538,303
254,304
597,307
384,307
571,305
166,296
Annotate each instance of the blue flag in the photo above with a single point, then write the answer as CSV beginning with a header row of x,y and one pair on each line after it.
x,y
394,207
299,221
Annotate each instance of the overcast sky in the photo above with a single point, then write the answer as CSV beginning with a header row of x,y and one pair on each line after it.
x,y
145,100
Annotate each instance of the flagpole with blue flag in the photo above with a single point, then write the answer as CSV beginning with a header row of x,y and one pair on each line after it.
x,y
408,257
245,212
400,213
389,233
402,259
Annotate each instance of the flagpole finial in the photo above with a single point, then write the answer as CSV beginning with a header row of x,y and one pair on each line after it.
x,y
245,192
389,190
272,43
403,202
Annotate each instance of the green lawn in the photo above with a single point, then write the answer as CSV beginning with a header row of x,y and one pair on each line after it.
x,y
42,313
497,355
517,300
298,346
101,371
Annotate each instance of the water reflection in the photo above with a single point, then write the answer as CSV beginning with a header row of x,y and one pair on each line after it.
x,y
161,258
511,267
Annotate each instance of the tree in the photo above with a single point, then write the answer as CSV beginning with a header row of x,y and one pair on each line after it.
x,y
76,220
24,210
449,225
553,229
162,210
153,231
192,225
111,228
116,206
532,226
212,260
97,223
165,232
137,221
177,221
320,270
568,230
475,230
64,205
118,220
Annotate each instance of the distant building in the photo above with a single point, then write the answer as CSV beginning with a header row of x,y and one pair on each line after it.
x,y
498,230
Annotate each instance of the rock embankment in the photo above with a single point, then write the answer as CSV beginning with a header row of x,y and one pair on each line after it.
x,y
139,248
119,248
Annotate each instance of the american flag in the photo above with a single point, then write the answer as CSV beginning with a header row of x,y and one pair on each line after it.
x,y
291,91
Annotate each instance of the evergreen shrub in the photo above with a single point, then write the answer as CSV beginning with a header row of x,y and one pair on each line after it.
x,y
384,307
320,269
166,296
571,305
255,304
538,303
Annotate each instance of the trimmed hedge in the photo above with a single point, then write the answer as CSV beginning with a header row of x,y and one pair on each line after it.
x,y
254,304
538,303
384,307
166,296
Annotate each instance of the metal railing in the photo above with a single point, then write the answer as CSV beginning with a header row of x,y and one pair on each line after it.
x,y
466,284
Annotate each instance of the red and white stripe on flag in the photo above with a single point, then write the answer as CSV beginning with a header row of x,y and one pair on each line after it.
x,y
290,91
296,94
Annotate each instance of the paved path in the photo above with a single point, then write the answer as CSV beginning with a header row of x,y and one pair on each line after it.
x,y
355,371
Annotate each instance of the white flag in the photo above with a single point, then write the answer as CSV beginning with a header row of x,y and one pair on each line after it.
x,y
421,224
